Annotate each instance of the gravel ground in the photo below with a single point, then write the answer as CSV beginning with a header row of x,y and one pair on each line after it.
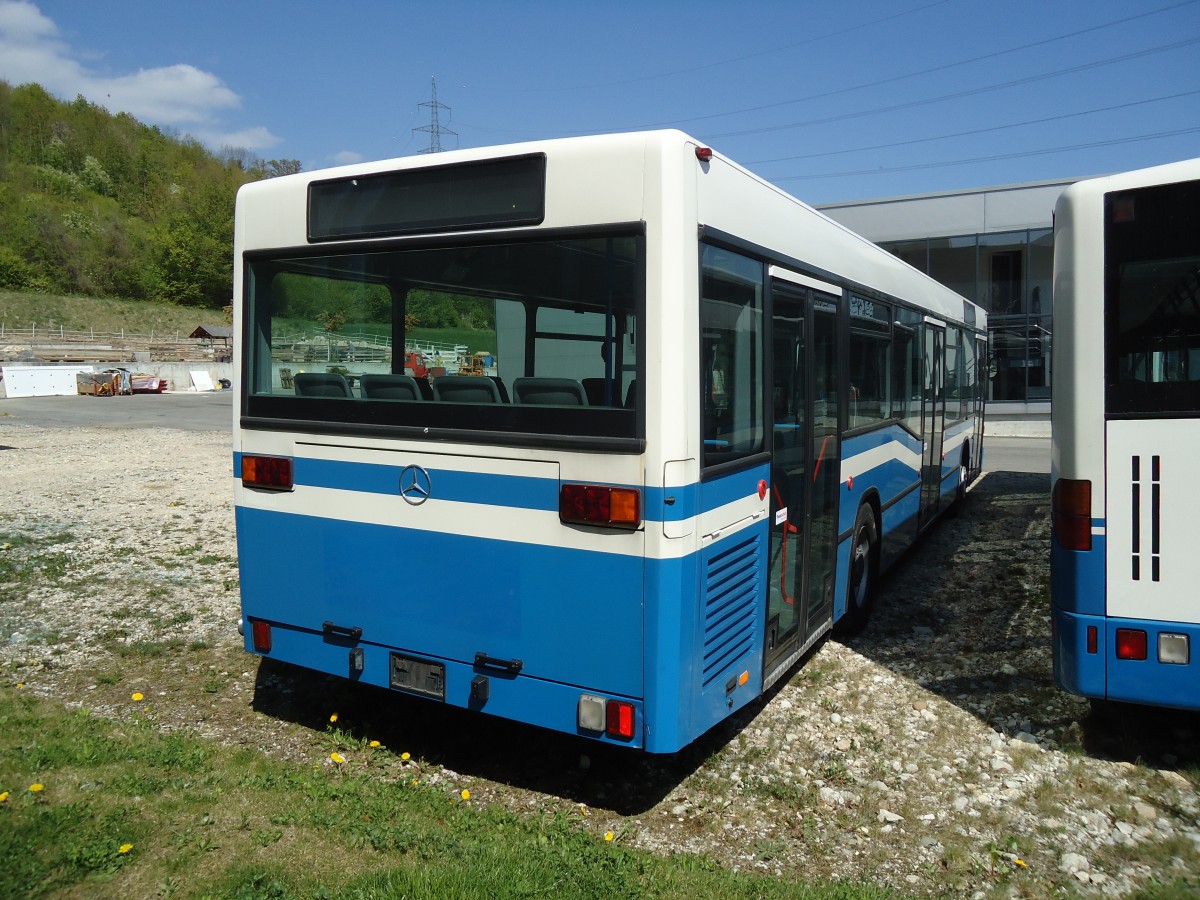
x,y
932,754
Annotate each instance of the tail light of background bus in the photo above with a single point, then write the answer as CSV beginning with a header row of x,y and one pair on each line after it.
x,y
1071,506
611,507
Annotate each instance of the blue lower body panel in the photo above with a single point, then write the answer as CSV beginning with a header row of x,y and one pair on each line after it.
x,y
538,702
1101,675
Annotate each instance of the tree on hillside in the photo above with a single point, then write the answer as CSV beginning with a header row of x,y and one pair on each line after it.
x,y
96,203
195,249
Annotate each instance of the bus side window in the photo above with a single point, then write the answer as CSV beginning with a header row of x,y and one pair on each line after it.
x,y
731,325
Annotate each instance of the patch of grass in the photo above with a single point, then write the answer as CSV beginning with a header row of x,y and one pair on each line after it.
x,y
123,807
149,649
1181,888
105,314
29,559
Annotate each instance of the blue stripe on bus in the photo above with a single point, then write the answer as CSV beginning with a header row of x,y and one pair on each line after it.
x,y
893,434
519,492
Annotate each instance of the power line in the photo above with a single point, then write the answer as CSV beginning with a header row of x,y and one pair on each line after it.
x,y
980,159
958,95
895,78
709,66
975,131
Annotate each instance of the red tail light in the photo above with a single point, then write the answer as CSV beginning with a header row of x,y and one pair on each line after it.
x,y
261,634
613,507
272,473
1071,506
1131,643
621,719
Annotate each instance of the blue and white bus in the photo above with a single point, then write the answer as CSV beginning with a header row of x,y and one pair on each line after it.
x,y
598,434
1126,425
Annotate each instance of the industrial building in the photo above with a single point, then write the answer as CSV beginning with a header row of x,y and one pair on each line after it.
x,y
995,246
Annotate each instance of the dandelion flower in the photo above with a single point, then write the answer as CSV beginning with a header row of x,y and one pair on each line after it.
x,y
1021,863
373,744
337,757
414,782
20,684
406,756
37,788
3,796
466,795
583,808
138,697
608,836
125,848
333,718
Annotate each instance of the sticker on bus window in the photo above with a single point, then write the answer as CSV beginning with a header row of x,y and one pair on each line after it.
x,y
781,516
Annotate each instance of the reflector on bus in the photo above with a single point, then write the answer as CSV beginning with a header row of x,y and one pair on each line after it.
x,y
620,719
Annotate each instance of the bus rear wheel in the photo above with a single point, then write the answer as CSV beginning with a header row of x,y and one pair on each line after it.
x,y
864,567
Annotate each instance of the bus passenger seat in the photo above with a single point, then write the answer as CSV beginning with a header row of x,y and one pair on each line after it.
x,y
465,389
322,384
390,387
555,391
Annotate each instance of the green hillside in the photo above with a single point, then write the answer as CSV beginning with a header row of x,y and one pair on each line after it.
x,y
102,205
20,310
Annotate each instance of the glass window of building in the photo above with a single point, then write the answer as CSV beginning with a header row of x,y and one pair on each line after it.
x,y
915,253
1041,278
952,262
1002,292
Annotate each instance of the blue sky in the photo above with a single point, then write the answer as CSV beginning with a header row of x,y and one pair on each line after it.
x,y
832,101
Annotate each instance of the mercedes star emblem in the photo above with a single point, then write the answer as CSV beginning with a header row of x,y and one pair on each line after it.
x,y
414,485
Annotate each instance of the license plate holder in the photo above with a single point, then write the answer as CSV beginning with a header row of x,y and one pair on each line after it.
x,y
418,676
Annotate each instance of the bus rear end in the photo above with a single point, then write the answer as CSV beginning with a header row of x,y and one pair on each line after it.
x,y
471,533
1126,427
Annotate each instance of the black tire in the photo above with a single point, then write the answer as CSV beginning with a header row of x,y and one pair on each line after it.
x,y
862,573
960,492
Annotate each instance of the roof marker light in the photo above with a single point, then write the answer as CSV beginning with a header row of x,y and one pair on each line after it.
x,y
704,154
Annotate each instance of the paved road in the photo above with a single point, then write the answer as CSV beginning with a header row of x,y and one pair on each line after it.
x,y
185,410
1016,454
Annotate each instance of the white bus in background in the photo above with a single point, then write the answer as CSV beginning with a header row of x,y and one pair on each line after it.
x,y
1125,411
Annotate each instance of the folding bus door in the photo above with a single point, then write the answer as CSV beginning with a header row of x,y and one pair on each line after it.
x,y
933,416
805,472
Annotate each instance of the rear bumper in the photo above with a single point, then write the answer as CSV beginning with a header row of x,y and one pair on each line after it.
x,y
1102,676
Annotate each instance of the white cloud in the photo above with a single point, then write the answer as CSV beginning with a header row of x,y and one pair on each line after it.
x,y
179,96
346,158
256,139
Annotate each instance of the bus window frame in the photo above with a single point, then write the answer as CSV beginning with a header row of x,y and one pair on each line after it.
x,y
252,421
